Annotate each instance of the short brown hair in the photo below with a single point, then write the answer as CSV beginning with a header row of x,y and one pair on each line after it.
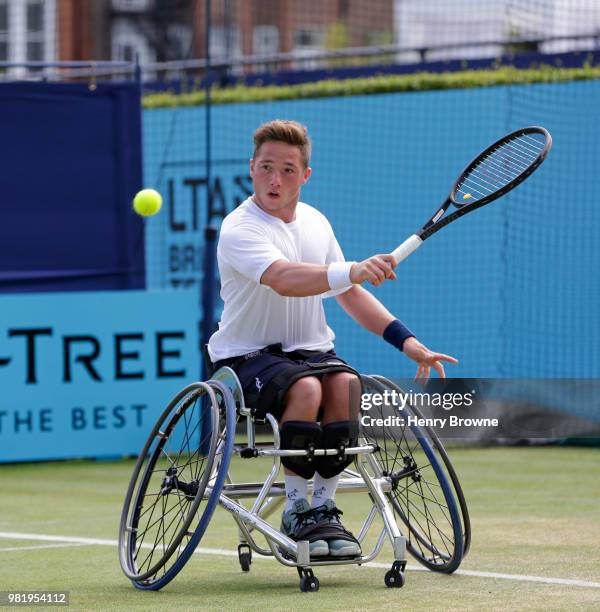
x,y
284,130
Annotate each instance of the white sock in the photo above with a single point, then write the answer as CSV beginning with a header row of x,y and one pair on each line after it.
x,y
296,488
323,489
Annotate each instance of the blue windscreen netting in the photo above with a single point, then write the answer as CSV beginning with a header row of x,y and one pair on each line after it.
x,y
511,290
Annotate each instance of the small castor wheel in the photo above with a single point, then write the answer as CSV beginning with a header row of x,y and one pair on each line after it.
x,y
245,557
308,581
394,578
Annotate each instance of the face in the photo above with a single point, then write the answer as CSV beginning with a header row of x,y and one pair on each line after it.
x,y
278,174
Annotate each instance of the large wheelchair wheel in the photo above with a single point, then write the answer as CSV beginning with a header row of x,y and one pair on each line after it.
x,y
176,484
426,495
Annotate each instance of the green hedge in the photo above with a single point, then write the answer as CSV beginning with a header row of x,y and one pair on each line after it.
x,y
421,81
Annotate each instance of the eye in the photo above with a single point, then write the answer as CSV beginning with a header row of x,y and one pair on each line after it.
x,y
289,171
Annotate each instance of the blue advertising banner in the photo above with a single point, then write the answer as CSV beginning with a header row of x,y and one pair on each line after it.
x,y
87,374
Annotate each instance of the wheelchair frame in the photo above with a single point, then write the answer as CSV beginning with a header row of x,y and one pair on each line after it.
x,y
220,404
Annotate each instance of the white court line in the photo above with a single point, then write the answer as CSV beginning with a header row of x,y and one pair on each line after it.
x,y
230,553
40,546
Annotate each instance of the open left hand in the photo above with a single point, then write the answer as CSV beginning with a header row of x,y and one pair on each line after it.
x,y
426,359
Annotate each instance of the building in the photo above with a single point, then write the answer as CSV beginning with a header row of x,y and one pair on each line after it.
x,y
92,30
263,27
459,24
45,31
168,30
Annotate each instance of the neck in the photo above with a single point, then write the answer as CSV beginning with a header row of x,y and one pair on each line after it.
x,y
286,214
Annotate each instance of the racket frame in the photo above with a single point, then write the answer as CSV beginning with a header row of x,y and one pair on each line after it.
x,y
436,223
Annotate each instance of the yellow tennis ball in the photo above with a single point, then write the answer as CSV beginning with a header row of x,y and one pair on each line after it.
x,y
467,196
147,202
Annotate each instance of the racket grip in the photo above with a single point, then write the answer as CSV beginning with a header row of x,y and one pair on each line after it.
x,y
406,248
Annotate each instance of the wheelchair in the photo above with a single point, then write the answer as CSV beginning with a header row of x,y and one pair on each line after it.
x,y
183,472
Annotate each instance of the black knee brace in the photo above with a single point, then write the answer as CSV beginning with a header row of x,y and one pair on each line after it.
x,y
340,435
300,435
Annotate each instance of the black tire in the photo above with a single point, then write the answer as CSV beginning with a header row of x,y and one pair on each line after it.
x,y
426,495
245,557
309,584
394,579
179,473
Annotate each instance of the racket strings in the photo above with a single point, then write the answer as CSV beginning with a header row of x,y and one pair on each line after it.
x,y
500,167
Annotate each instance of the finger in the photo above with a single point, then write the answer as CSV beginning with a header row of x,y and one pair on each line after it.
x,y
383,265
442,357
389,258
439,368
421,377
377,271
389,273
375,280
423,372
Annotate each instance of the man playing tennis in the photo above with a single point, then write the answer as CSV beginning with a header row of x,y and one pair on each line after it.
x,y
278,259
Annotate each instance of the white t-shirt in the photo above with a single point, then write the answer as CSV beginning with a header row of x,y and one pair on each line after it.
x,y
254,315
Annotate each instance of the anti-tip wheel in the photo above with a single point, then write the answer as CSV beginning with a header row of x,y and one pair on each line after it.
x,y
309,584
394,579
245,557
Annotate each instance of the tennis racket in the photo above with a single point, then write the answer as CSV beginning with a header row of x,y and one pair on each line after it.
x,y
492,174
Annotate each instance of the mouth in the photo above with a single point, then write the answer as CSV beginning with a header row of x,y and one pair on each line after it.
x,y
273,194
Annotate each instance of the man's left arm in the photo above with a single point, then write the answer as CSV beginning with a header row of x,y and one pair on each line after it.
x,y
371,314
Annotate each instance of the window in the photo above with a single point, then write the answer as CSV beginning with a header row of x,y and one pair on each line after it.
x,y
225,43
3,31
4,16
27,33
265,40
131,5
180,41
34,31
35,16
126,53
35,51
309,38
306,42
128,42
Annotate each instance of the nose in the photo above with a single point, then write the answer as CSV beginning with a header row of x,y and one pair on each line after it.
x,y
275,179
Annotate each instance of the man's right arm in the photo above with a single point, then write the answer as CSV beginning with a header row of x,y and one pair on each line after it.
x,y
295,279
292,279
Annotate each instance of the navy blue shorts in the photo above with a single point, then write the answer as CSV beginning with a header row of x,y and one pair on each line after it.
x,y
258,370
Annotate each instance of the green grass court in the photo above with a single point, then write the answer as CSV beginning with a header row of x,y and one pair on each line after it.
x,y
534,511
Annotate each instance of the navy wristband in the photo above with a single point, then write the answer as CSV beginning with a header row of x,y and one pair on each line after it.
x,y
396,333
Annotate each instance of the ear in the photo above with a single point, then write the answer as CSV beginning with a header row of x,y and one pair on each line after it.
x,y
252,167
307,174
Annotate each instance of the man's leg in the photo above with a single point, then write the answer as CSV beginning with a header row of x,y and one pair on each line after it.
x,y
264,377
341,396
302,402
297,424
336,408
